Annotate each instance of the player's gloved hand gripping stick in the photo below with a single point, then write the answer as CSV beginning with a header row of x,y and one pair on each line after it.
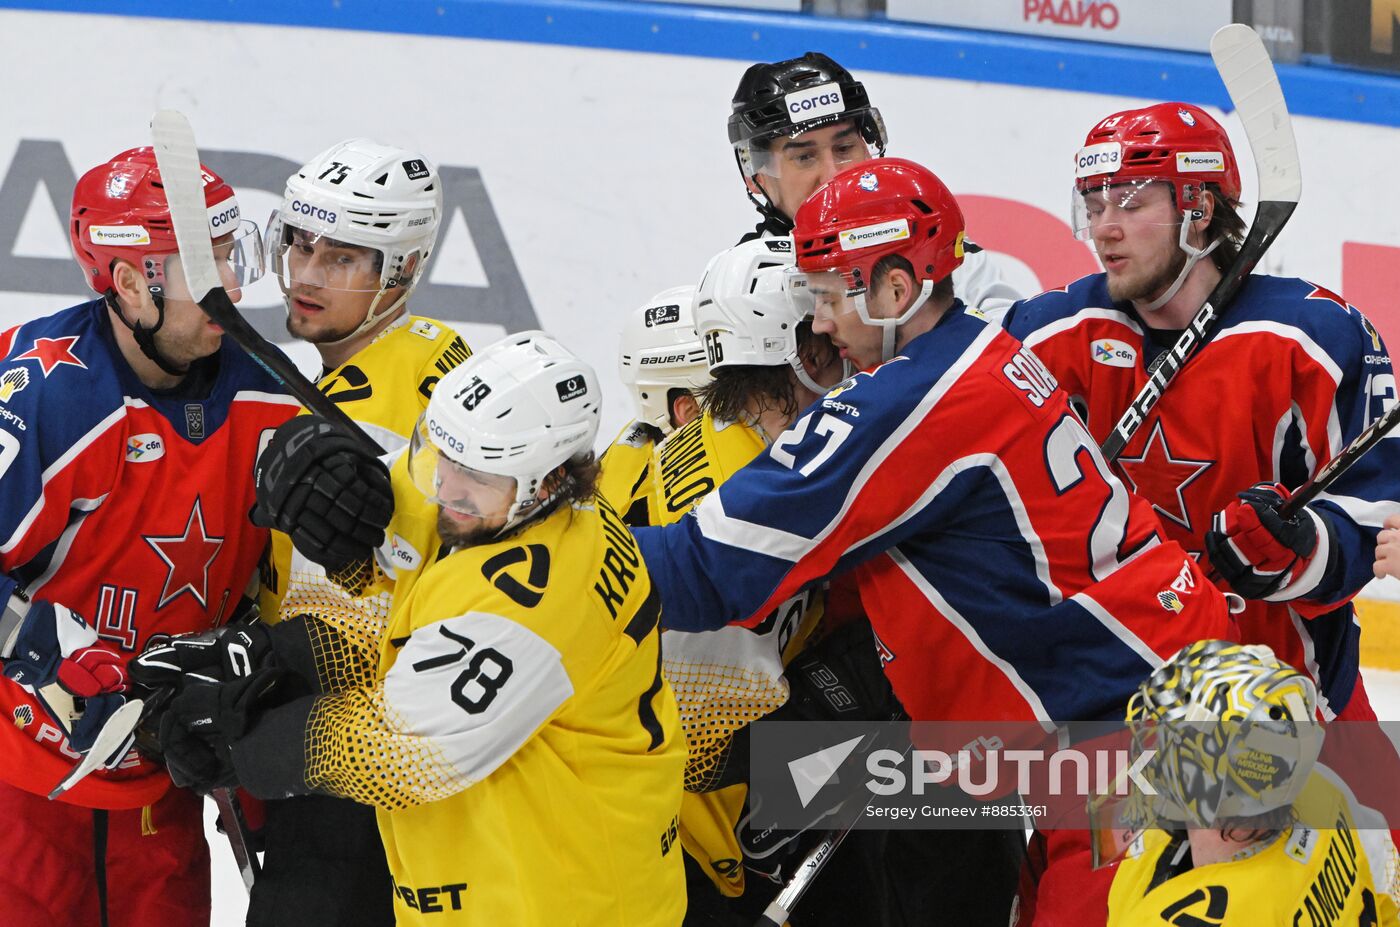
x,y
1249,77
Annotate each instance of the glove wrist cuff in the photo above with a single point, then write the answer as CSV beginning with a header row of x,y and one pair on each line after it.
x,y
11,620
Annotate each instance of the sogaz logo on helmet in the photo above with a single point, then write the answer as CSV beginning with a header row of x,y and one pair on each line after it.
x,y
1199,161
314,212
442,437
814,102
1104,158
223,217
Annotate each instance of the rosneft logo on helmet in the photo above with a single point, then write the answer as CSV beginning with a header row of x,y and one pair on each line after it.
x,y
1104,158
223,217
661,315
867,236
1189,162
119,235
572,388
814,102
315,212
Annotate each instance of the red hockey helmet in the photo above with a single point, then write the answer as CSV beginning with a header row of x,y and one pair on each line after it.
x,y
119,213
881,207
1174,143
884,207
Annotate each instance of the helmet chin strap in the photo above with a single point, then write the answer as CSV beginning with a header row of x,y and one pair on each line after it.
x,y
146,337
891,326
806,379
375,315
1193,254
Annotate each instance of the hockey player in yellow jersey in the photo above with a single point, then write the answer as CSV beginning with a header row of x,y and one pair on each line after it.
x,y
510,724
1246,829
661,362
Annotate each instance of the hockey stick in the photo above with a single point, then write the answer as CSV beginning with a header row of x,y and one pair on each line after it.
x,y
1338,465
116,730
178,160
236,830
777,913
1253,86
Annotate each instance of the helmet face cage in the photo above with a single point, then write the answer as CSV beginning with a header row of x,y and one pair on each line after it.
x,y
445,482
660,351
1234,732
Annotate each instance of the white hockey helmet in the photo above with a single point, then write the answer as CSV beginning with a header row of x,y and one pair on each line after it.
x,y
362,193
661,352
742,314
518,408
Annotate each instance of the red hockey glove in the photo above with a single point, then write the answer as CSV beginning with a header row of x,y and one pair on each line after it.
x,y
1259,552
53,643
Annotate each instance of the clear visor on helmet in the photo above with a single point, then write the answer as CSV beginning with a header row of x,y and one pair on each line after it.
x,y
238,258
819,151
301,256
1138,202
446,483
824,294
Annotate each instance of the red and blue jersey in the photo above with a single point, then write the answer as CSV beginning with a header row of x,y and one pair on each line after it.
x,y
126,504
1008,574
1291,376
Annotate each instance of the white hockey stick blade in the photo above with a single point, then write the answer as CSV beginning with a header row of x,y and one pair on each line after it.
x,y
1248,74
114,733
183,178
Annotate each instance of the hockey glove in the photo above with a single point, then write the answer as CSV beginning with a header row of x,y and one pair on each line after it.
x,y
201,724
220,655
53,643
1258,552
325,491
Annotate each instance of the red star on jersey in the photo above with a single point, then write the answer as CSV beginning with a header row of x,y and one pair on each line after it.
x,y
188,557
1162,479
1319,292
53,352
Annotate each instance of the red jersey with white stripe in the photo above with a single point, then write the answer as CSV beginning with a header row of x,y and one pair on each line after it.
x,y
128,505
1008,574
1292,375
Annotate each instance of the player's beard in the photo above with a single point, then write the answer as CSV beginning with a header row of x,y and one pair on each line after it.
x,y
304,329
1124,289
455,534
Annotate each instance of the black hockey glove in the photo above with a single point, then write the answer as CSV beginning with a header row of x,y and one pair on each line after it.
x,y
325,491
201,724
219,655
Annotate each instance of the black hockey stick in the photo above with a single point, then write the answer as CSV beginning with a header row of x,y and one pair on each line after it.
x,y
178,159
1373,435
1249,77
235,828
777,912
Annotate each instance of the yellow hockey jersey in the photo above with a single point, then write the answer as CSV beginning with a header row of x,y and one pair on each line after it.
x,y
1312,876
384,387
723,679
518,738
626,470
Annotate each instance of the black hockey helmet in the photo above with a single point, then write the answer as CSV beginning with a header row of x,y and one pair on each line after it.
x,y
786,98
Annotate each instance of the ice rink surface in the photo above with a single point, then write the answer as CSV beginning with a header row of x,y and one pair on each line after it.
x,y
231,902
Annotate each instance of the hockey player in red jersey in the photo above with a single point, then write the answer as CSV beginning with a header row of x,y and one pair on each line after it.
x,y
1008,574
1291,375
128,432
